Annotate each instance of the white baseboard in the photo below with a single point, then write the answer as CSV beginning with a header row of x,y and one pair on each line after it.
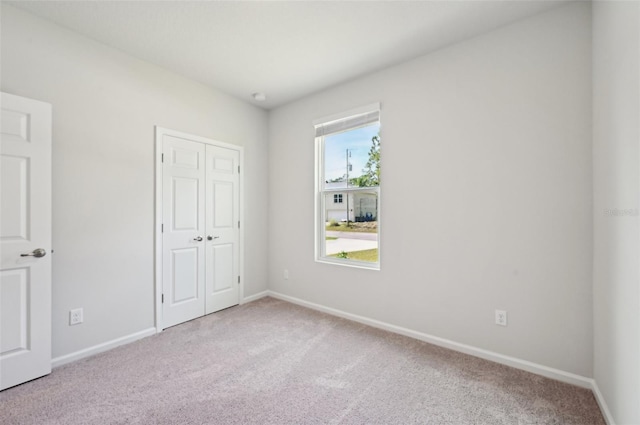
x,y
604,408
254,297
72,357
538,369
528,366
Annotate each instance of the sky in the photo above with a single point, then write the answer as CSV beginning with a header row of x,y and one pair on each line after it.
x,y
358,141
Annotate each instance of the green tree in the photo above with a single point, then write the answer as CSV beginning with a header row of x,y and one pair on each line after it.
x,y
371,171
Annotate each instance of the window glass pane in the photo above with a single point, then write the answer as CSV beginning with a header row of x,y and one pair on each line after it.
x,y
352,158
351,181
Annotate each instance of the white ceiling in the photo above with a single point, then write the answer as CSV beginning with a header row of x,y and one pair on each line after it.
x,y
285,49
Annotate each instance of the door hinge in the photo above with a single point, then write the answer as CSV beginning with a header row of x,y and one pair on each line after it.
x,y
162,228
238,169
162,298
238,225
238,280
162,158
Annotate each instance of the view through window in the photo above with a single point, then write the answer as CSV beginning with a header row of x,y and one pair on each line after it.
x,y
350,191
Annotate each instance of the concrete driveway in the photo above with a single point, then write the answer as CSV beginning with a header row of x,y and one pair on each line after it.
x,y
349,244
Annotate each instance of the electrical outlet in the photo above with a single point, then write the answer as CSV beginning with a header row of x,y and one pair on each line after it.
x,y
286,274
501,317
75,316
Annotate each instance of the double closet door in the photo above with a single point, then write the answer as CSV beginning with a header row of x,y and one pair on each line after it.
x,y
200,227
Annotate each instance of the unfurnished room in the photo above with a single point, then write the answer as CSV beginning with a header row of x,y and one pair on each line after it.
x,y
320,212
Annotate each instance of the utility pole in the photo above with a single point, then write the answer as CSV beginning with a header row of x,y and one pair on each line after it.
x,y
347,192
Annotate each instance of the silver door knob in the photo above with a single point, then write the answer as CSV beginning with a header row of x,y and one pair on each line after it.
x,y
198,239
210,238
38,252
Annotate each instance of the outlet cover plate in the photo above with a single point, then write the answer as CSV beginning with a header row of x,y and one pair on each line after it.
x,y
501,317
75,316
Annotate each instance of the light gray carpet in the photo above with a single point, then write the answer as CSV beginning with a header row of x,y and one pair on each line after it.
x,y
271,362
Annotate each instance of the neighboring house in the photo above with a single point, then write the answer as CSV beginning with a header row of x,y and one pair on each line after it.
x,y
362,204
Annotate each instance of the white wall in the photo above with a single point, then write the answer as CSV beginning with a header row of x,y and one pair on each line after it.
x,y
494,134
105,107
616,169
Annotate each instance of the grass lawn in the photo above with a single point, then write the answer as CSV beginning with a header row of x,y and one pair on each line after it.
x,y
366,255
330,238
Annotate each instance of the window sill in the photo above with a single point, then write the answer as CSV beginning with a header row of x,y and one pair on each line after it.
x,y
350,263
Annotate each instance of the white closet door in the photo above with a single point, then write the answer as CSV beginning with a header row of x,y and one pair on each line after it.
x,y
183,211
200,226
223,220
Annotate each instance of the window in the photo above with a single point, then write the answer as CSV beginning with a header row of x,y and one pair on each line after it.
x,y
348,188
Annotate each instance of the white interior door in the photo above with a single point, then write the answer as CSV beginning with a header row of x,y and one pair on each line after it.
x,y
223,220
200,227
25,240
183,232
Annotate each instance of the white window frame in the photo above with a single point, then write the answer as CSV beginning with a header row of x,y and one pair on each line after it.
x,y
334,121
